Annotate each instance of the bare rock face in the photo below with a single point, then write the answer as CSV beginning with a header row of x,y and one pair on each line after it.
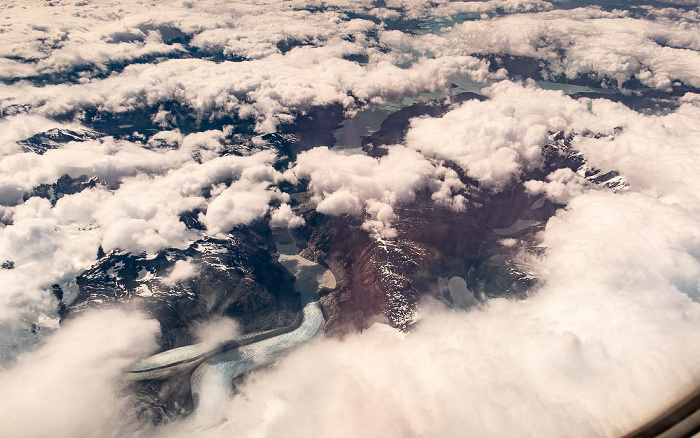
x,y
385,279
487,244
376,279
53,138
236,277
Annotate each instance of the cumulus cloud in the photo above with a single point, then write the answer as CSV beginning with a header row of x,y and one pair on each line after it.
x,y
579,42
42,253
72,384
268,85
657,49
154,188
270,90
283,216
216,330
588,327
52,244
496,140
15,129
656,153
256,36
81,35
64,36
239,204
352,184
182,271
561,186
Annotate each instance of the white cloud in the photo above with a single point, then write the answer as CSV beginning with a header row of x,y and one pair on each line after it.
x,y
350,184
495,140
578,42
340,202
561,186
53,244
655,153
256,36
240,204
271,89
71,385
43,253
283,216
183,270
216,330
22,127
618,302
143,214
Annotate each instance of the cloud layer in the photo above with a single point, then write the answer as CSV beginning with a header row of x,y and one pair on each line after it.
x,y
193,87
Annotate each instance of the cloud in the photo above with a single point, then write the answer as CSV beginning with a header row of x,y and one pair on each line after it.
x,y
350,184
598,348
496,140
257,35
154,186
216,330
589,327
182,271
89,39
22,127
340,202
610,258
561,186
655,153
71,385
43,253
138,211
579,42
239,204
283,216
122,33
270,90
